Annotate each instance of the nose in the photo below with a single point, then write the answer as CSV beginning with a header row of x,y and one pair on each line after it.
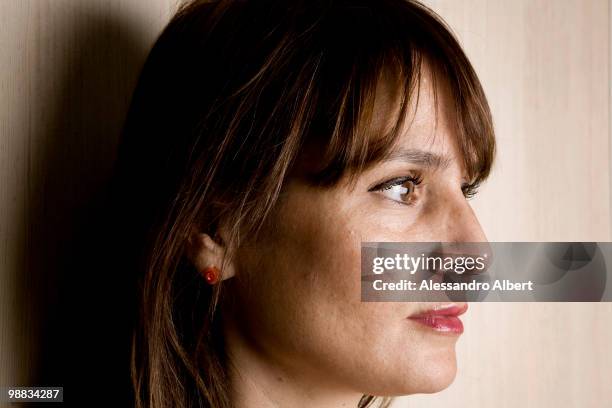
x,y
462,233
461,222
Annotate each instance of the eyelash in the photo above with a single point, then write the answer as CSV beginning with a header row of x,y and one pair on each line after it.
x,y
469,190
398,181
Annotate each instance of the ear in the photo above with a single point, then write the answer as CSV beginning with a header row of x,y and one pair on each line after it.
x,y
203,252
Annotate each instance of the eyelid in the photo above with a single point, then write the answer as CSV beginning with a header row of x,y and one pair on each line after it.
x,y
411,196
470,189
416,179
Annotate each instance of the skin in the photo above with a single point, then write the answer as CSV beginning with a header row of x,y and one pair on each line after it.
x,y
298,334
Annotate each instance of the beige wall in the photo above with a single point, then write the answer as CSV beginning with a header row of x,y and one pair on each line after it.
x,y
66,72
545,66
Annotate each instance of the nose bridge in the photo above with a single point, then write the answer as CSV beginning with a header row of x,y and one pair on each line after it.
x,y
463,234
461,222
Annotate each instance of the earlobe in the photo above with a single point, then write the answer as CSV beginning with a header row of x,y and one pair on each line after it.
x,y
212,274
207,256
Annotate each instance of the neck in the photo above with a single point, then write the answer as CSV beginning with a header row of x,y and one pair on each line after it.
x,y
258,380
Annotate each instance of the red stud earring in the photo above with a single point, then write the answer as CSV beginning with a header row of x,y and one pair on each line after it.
x,y
211,274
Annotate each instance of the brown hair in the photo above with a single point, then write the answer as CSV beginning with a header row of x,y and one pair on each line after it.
x,y
231,93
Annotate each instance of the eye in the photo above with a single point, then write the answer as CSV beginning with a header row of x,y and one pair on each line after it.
x,y
469,190
400,189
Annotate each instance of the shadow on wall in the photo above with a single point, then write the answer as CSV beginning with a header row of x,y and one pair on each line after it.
x,y
78,302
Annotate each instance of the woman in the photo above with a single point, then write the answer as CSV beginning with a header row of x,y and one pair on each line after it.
x,y
265,141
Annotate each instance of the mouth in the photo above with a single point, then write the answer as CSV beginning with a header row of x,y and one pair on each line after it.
x,y
443,318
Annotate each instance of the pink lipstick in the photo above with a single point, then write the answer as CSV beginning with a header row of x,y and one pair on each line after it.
x,y
442,318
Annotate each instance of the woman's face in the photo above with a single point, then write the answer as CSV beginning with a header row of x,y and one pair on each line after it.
x,y
299,283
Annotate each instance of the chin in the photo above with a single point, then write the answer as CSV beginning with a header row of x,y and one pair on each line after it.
x,y
438,378
426,376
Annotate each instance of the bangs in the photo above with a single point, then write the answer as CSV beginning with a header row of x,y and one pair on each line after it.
x,y
363,45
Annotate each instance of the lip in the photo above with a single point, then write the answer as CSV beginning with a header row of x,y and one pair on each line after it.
x,y
442,318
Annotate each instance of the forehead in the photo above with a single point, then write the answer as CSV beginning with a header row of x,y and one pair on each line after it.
x,y
429,124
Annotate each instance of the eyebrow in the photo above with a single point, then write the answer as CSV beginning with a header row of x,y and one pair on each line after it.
x,y
420,157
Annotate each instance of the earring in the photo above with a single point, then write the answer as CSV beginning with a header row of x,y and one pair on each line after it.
x,y
211,274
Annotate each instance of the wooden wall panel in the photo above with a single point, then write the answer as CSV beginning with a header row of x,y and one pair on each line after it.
x,y
545,66
67,69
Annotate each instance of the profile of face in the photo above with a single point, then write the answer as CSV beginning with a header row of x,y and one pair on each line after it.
x,y
297,315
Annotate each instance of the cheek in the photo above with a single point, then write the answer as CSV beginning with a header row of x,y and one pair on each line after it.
x,y
303,303
303,274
